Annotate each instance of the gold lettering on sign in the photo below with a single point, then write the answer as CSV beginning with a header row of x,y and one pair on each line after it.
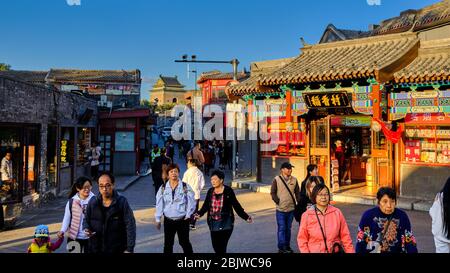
x,y
426,94
424,109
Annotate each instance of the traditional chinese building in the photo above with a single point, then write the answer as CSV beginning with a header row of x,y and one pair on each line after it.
x,y
46,131
349,93
123,123
168,90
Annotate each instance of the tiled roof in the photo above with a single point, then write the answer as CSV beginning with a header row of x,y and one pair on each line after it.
x,y
258,70
72,75
415,20
341,34
353,59
218,75
432,64
36,77
171,81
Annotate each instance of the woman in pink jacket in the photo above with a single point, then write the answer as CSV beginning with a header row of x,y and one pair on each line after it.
x,y
323,222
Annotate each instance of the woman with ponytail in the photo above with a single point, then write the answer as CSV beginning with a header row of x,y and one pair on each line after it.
x,y
440,215
74,214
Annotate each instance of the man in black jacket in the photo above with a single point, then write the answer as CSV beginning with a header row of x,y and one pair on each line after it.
x,y
109,221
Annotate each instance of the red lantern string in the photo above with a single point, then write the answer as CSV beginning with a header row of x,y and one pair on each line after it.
x,y
393,136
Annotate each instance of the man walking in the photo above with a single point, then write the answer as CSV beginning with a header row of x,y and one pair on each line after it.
x,y
194,178
159,169
95,159
109,221
284,188
6,170
175,204
196,154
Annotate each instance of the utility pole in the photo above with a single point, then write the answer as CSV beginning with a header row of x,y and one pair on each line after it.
x,y
234,63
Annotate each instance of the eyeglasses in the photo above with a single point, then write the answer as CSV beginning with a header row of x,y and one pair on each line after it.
x,y
109,186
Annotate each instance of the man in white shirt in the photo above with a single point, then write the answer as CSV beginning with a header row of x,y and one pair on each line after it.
x,y
194,178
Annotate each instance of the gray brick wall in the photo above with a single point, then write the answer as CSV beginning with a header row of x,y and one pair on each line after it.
x,y
22,102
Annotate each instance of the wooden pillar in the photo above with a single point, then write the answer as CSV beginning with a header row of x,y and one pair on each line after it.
x,y
376,101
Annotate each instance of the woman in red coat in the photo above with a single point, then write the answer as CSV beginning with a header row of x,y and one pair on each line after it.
x,y
323,223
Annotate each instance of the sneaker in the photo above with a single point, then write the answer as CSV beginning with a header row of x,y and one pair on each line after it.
x,y
289,250
193,227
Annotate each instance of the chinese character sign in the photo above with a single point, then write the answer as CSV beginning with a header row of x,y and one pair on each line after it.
x,y
63,151
326,100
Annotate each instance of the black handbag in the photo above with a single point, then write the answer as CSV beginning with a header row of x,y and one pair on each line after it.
x,y
297,206
222,224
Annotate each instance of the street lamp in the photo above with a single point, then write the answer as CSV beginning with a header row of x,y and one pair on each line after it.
x,y
234,63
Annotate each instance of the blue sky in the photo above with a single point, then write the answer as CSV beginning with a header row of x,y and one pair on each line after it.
x,y
151,34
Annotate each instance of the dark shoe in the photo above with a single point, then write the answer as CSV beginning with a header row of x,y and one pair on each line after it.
x,y
289,250
282,251
192,227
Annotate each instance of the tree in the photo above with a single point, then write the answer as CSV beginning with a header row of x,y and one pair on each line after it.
x,y
4,67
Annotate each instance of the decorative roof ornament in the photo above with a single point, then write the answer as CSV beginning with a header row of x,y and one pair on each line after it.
x,y
372,81
413,87
338,86
436,86
322,87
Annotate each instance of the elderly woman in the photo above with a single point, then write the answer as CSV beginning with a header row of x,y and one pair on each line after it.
x,y
385,228
323,228
219,203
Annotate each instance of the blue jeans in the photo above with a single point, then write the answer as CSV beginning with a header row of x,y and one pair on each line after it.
x,y
284,221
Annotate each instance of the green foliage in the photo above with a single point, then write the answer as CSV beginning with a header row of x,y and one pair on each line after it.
x,y
4,67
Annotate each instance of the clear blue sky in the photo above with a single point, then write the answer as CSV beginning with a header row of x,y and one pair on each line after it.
x,y
151,34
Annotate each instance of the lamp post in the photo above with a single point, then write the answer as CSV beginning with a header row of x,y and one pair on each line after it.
x,y
234,63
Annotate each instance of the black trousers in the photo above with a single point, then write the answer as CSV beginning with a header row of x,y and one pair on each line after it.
x,y
82,243
180,227
193,220
2,217
94,172
158,181
220,240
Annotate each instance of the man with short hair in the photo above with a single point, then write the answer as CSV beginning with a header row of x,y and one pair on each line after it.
x,y
6,170
109,221
284,188
194,178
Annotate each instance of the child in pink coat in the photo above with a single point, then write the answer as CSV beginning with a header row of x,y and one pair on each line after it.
x,y
332,228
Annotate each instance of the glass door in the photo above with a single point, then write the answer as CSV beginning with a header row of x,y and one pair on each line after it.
x,y
320,147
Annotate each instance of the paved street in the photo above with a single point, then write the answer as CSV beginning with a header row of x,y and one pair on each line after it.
x,y
258,237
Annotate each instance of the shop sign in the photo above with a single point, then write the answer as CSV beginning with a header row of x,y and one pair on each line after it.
x,y
326,100
352,121
63,151
427,118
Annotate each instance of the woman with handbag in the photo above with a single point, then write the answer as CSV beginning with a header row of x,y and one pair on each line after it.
x,y
323,228
219,203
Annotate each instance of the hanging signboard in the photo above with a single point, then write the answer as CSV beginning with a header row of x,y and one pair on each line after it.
x,y
427,118
326,100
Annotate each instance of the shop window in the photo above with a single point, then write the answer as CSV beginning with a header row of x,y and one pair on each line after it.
x,y
10,142
291,139
427,144
126,123
124,142
30,161
319,134
379,142
84,145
